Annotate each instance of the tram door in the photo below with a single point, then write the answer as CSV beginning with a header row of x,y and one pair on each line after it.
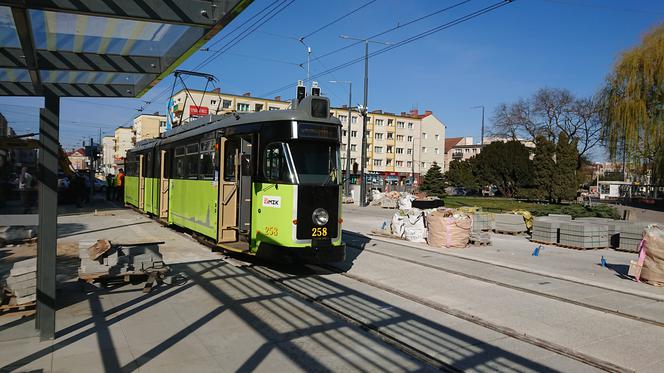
x,y
244,210
229,155
163,184
141,182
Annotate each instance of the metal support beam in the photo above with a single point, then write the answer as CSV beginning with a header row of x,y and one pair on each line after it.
x,y
188,13
49,118
27,39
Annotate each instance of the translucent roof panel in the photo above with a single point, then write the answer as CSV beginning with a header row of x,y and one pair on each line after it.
x,y
14,75
92,77
8,34
70,32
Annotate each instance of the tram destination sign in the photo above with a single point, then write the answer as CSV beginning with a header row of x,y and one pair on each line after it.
x,y
317,131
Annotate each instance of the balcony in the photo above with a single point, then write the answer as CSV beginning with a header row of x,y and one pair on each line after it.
x,y
457,156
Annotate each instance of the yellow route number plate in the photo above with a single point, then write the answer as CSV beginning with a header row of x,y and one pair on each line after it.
x,y
318,232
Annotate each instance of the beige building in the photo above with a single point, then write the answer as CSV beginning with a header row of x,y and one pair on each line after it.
x,y
124,140
108,153
398,144
192,104
78,159
462,148
148,126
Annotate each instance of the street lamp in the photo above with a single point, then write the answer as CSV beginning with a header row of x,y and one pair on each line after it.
x,y
364,111
482,135
350,112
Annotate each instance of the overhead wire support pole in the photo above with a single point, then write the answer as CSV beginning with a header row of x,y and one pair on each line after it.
x,y
364,111
350,113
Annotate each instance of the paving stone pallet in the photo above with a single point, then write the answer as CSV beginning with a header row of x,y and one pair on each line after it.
x,y
19,286
510,224
483,222
581,235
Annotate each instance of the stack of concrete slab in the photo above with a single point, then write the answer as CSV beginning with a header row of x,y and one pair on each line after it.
x,y
483,221
614,227
584,235
100,258
510,223
631,234
546,229
16,234
21,283
480,238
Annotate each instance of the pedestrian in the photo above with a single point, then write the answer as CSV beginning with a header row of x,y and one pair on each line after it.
x,y
119,186
26,184
109,186
78,189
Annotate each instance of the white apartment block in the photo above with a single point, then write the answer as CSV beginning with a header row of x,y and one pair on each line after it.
x,y
124,140
191,104
398,146
108,153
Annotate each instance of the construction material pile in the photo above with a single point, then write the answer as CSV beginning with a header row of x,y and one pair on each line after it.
x,y
510,223
16,234
448,228
629,236
584,236
20,285
650,266
101,258
391,200
546,229
409,225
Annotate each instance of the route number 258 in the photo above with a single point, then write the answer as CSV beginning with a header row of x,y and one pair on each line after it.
x,y
318,232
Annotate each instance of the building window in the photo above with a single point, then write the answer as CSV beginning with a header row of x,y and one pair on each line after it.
x,y
213,102
388,162
390,122
474,151
353,120
438,151
378,149
425,135
399,137
378,135
353,133
368,134
399,150
272,108
352,161
437,137
400,124
259,107
389,149
378,162
226,104
343,148
162,123
424,165
379,122
399,163
409,164
343,118
424,149
353,147
368,119
467,150
242,107
410,138
409,151
410,125
344,133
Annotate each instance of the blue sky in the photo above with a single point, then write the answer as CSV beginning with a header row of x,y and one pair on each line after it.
x,y
498,57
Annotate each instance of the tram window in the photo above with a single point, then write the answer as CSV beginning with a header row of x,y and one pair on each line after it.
x,y
147,168
207,160
167,164
230,150
179,163
191,165
275,167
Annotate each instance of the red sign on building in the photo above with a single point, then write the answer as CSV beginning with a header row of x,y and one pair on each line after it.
x,y
198,110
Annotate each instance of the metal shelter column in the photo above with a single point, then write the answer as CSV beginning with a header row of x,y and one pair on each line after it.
x,y
49,132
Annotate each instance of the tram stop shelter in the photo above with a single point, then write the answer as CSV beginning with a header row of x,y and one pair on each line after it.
x,y
91,48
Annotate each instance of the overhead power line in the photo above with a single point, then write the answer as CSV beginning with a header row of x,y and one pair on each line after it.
x,y
403,42
335,20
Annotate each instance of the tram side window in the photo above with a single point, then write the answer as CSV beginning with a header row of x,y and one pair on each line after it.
x,y
274,163
147,166
179,163
167,164
207,158
191,165
230,160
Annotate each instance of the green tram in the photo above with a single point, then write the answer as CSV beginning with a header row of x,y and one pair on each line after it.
x,y
264,183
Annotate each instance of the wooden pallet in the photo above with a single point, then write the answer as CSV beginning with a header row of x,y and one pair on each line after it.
x,y
522,233
480,242
10,308
582,248
544,242
155,274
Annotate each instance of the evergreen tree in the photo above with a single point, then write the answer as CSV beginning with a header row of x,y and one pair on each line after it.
x,y
504,164
460,174
433,183
565,182
544,164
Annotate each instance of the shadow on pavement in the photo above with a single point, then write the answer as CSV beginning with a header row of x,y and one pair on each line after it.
x,y
249,320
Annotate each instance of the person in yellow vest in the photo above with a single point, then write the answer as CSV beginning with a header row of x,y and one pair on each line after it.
x,y
119,186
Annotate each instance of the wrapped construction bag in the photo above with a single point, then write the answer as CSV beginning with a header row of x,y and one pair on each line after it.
x,y
409,224
527,217
448,228
650,266
406,202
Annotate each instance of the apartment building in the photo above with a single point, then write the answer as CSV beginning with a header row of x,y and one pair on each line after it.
x,y
108,153
398,145
191,104
149,126
124,140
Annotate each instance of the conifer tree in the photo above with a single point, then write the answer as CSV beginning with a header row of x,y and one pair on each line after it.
x,y
565,182
433,183
544,164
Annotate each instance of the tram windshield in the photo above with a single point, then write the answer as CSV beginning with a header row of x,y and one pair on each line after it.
x,y
316,162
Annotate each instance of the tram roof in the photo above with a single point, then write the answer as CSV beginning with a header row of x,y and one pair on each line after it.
x,y
100,48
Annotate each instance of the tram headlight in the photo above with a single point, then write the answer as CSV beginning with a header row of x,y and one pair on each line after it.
x,y
320,216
